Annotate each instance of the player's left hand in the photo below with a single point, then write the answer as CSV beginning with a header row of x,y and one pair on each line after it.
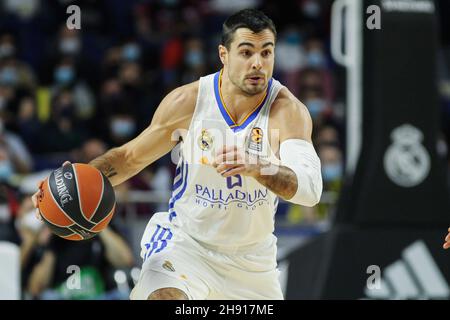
x,y
231,161
447,240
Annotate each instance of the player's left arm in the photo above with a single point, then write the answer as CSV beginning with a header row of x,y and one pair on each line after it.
x,y
297,177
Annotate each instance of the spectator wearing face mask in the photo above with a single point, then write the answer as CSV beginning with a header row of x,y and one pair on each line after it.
x,y
317,106
14,155
138,103
16,80
63,125
28,124
65,77
194,60
14,72
68,46
332,166
316,74
290,58
122,128
131,51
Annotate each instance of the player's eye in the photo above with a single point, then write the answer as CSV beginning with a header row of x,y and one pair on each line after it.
x,y
266,53
246,53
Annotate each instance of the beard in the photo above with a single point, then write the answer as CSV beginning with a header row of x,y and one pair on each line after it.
x,y
248,88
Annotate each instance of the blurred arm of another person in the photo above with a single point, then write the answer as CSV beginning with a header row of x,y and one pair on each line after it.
x,y
42,273
118,252
28,229
17,150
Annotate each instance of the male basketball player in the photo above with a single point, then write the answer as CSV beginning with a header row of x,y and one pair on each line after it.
x,y
216,240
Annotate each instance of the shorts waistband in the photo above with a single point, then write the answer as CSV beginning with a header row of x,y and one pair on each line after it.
x,y
239,249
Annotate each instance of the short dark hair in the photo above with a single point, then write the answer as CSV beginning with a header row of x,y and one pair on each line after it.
x,y
252,19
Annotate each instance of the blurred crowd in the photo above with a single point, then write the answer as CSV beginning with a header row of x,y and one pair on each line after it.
x,y
73,94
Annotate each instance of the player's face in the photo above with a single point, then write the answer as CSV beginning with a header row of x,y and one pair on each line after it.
x,y
250,60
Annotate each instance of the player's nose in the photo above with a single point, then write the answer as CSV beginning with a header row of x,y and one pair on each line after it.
x,y
256,65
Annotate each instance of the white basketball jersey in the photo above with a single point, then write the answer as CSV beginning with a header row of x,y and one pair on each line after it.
x,y
225,212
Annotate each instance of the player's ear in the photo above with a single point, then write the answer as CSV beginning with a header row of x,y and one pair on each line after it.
x,y
223,52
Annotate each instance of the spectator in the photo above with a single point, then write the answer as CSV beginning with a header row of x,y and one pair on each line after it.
x,y
14,155
96,258
28,124
65,77
63,125
8,211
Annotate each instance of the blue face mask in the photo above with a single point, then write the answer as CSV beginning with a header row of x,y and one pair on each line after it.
x,y
64,75
122,128
315,59
331,172
315,107
194,58
9,76
131,52
6,170
293,38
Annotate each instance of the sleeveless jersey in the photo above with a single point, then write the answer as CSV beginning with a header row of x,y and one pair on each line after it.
x,y
227,212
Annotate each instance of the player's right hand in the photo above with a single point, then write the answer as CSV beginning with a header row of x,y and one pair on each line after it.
x,y
35,197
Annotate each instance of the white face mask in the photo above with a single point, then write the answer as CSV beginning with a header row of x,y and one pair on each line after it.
x,y
5,213
7,50
70,46
311,9
29,221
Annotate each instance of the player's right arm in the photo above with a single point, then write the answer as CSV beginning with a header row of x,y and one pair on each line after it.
x,y
173,114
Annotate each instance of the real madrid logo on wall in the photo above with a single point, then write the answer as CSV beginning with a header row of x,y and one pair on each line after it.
x,y
205,140
406,161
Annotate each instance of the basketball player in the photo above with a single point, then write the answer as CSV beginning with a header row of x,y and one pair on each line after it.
x,y
216,240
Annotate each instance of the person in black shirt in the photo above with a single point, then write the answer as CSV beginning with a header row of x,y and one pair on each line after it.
x,y
79,269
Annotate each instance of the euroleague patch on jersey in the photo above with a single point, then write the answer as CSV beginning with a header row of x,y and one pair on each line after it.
x,y
205,140
256,139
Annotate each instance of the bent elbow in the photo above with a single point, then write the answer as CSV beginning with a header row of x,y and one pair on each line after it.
x,y
308,197
311,201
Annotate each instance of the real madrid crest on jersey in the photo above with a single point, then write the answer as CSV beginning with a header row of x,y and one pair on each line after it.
x,y
205,140
255,139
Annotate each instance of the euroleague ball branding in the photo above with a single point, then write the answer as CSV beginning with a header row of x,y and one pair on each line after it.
x,y
63,192
77,201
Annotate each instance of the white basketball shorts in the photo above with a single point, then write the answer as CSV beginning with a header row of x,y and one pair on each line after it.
x,y
173,259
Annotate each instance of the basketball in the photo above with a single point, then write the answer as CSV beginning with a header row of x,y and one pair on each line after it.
x,y
77,201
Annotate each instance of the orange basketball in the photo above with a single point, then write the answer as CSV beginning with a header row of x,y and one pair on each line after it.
x,y
77,201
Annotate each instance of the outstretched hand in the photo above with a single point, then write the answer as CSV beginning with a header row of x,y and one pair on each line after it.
x,y
447,240
35,197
